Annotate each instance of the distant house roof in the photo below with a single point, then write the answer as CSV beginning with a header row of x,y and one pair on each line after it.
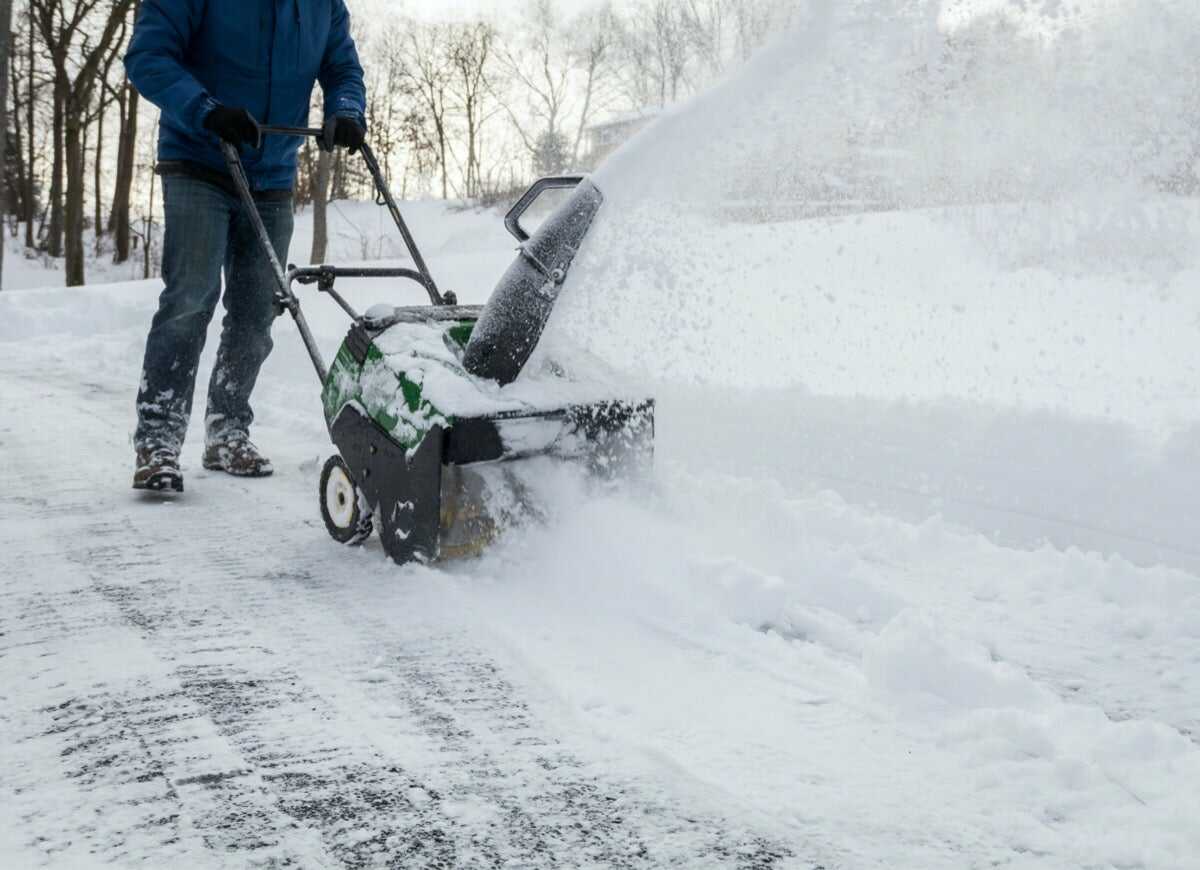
x,y
623,119
605,136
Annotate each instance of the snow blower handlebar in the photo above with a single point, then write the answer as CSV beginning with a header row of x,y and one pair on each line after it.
x,y
284,297
325,276
512,220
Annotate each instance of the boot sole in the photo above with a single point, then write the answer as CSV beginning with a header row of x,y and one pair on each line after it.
x,y
216,466
163,482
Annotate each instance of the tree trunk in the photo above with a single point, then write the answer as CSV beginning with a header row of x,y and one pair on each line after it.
x,y
122,98
5,30
16,145
472,180
148,238
31,157
73,212
340,181
126,152
442,160
97,197
320,202
54,241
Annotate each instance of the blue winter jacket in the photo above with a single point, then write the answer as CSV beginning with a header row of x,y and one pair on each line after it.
x,y
187,56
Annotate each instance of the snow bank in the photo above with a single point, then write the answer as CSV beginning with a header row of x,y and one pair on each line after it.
x,y
76,312
358,232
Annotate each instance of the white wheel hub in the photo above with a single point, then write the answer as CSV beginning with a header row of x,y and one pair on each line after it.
x,y
340,498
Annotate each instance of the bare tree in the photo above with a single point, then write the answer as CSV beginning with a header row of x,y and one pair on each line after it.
x,y
669,33
106,95
539,66
428,70
594,38
419,146
389,91
5,39
147,234
559,75
708,24
77,54
320,207
434,91
755,20
54,237
16,180
471,58
31,155
119,221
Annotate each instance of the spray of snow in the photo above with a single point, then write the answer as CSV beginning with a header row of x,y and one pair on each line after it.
x,y
884,204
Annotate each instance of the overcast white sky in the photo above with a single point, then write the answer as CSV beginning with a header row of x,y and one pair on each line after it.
x,y
443,9
954,11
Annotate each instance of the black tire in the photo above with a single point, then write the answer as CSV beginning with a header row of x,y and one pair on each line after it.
x,y
342,507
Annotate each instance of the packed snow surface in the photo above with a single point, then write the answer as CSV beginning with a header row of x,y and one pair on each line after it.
x,y
916,584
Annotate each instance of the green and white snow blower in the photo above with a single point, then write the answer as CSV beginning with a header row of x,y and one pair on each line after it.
x,y
426,404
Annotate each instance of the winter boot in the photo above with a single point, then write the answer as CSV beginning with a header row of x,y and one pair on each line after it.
x,y
158,470
235,455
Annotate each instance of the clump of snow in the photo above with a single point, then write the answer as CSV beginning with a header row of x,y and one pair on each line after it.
x,y
426,357
918,659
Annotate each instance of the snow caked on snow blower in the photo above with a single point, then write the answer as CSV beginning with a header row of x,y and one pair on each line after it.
x,y
426,405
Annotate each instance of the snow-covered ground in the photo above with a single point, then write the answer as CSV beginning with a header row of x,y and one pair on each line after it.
x,y
917,583
844,631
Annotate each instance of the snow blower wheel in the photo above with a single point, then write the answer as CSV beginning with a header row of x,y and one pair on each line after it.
x,y
342,505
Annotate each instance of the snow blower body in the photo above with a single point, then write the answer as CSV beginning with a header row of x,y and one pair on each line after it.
x,y
428,405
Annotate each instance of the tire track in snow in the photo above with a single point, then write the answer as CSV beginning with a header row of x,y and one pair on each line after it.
x,y
546,812
310,775
137,767
493,749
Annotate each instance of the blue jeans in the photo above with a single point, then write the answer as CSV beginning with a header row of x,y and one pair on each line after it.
x,y
207,231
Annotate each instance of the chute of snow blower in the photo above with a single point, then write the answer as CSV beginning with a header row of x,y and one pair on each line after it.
x,y
427,405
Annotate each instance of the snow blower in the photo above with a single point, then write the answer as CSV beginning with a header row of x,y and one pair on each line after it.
x,y
427,405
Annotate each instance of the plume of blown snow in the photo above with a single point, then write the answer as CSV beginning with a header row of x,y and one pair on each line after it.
x,y
899,199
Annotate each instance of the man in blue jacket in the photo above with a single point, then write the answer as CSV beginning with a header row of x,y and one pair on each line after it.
x,y
218,68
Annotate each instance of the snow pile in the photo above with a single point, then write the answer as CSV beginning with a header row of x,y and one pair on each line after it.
x,y
918,660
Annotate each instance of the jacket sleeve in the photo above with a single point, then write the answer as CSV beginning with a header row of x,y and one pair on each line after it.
x,y
154,61
341,73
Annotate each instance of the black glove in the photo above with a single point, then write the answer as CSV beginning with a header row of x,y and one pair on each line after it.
x,y
235,126
344,131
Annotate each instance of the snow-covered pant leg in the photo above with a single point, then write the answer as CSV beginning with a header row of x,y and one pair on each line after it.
x,y
249,302
197,217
